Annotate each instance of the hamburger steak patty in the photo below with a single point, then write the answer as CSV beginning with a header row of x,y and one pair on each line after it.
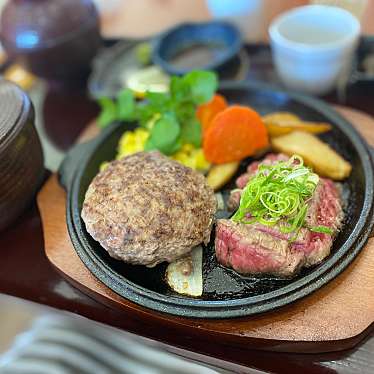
x,y
146,208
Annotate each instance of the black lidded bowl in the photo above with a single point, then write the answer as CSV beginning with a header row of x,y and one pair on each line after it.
x,y
226,293
21,156
56,40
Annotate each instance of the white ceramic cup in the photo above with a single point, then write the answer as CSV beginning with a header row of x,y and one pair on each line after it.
x,y
312,46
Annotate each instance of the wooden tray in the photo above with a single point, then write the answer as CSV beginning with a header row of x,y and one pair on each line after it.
x,y
336,317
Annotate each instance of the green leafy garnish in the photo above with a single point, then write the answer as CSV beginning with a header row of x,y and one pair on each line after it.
x,y
108,112
279,194
170,117
164,133
322,229
126,105
179,90
191,133
203,85
121,109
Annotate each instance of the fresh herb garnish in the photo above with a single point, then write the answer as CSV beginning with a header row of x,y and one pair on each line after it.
x,y
125,105
109,112
322,229
170,117
164,133
278,194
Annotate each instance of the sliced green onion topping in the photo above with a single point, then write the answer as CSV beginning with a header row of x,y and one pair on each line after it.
x,y
278,194
322,229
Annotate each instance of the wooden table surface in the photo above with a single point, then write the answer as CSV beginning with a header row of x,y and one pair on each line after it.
x,y
26,273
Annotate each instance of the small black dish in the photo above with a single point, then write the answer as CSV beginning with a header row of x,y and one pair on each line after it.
x,y
227,294
190,46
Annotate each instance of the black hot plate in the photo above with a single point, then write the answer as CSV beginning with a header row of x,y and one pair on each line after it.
x,y
226,294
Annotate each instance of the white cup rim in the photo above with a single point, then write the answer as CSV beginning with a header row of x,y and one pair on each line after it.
x,y
280,39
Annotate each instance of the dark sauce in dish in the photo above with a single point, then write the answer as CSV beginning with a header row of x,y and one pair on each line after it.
x,y
196,55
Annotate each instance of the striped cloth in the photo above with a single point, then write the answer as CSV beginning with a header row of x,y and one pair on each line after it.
x,y
60,345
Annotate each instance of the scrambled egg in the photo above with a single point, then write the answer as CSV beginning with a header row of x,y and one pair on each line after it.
x,y
134,141
192,157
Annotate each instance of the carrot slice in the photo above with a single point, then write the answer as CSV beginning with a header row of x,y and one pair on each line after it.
x,y
233,134
206,112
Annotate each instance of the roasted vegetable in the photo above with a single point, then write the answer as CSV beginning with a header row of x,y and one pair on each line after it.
x,y
149,79
281,116
185,275
317,154
220,201
235,133
278,129
206,112
219,175
281,123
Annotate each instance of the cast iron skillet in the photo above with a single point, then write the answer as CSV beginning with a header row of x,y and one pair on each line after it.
x,y
226,294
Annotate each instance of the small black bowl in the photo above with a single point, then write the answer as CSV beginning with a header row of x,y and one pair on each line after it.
x,y
205,46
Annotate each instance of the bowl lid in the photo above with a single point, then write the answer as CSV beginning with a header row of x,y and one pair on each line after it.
x,y
14,104
30,25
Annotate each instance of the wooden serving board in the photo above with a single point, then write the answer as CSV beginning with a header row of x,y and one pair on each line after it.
x,y
335,317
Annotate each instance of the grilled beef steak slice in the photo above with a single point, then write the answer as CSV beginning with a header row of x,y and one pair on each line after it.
x,y
256,248
251,251
146,209
325,210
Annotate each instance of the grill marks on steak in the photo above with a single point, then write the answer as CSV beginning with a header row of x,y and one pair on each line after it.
x,y
260,249
146,209
327,211
251,251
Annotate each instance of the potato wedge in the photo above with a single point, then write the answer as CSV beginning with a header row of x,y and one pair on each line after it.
x,y
285,127
317,154
276,117
219,175
281,123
